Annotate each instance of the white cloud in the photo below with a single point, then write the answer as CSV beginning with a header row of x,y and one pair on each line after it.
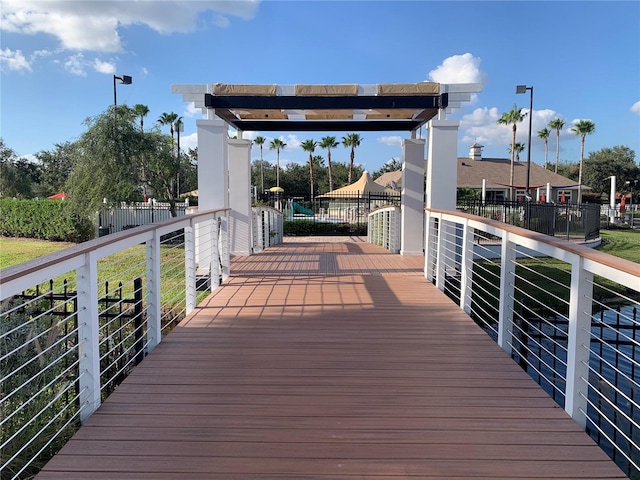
x,y
635,108
191,110
93,26
14,60
292,141
482,126
391,141
459,69
104,67
188,141
76,65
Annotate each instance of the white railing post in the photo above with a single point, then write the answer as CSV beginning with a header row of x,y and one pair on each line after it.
x,y
214,267
267,220
440,260
466,267
154,316
429,231
190,267
225,243
507,281
579,339
88,336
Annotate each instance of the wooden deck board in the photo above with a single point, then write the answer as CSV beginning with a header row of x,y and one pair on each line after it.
x,y
329,360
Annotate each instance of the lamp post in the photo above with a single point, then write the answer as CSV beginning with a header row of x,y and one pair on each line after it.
x,y
523,89
124,80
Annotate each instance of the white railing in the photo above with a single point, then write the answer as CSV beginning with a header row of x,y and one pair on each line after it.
x,y
383,228
267,227
74,323
566,313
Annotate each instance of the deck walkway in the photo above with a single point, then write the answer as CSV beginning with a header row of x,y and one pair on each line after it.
x,y
329,361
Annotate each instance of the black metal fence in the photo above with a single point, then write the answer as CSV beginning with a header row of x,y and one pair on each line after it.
x,y
571,222
337,208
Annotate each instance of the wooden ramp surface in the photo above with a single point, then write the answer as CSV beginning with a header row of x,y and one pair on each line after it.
x,y
329,361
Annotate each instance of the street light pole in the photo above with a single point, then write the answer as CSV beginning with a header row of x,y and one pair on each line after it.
x,y
523,89
124,80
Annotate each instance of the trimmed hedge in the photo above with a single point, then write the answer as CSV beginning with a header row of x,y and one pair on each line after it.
x,y
43,219
307,228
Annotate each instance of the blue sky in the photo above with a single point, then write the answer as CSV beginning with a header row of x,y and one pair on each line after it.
x,y
58,59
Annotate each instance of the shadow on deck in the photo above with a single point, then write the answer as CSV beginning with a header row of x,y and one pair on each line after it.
x,y
329,360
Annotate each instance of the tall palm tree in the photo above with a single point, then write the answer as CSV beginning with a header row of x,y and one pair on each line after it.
x,y
141,111
170,119
512,117
557,124
582,129
260,141
544,135
178,124
328,143
277,145
310,146
352,140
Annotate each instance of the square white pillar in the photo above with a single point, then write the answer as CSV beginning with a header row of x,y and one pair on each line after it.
x,y
213,165
412,211
240,197
442,164
213,184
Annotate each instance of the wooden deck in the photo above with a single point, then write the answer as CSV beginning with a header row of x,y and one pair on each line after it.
x,y
329,361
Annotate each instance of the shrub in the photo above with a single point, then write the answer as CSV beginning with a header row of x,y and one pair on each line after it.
x,y
52,220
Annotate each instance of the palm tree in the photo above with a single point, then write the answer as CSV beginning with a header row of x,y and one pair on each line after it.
x,y
557,124
310,146
513,117
544,135
260,141
517,147
352,140
178,124
328,143
582,128
141,111
277,145
168,119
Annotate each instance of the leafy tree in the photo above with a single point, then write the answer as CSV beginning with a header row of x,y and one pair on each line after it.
x,y
392,165
263,170
259,140
18,176
582,129
599,166
544,135
55,168
106,164
557,124
161,168
512,117
352,141
310,146
327,143
277,145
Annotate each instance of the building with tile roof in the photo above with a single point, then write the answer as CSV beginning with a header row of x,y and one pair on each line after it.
x,y
493,173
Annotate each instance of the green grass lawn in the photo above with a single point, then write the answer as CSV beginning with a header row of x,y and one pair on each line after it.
x,y
621,243
18,250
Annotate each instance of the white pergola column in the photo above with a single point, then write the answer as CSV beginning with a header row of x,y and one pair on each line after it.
x,y
442,164
240,197
213,183
412,211
213,164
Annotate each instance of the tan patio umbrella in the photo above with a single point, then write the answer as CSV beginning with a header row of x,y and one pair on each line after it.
x,y
360,188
